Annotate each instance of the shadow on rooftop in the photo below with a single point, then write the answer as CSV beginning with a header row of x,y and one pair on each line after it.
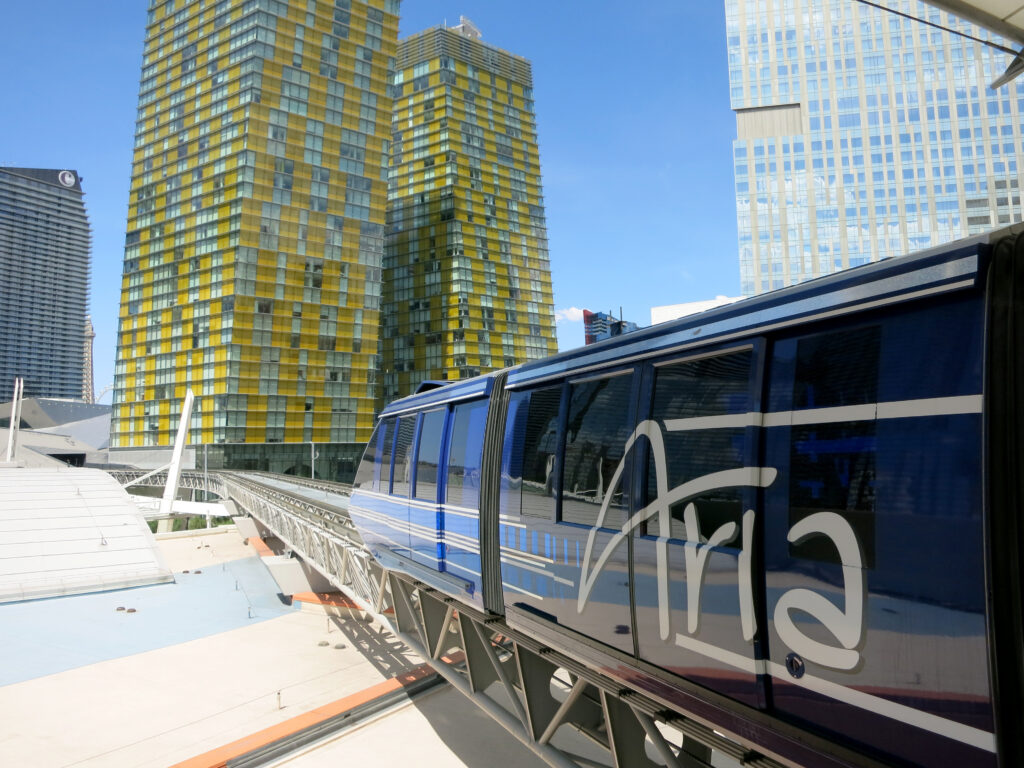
x,y
384,651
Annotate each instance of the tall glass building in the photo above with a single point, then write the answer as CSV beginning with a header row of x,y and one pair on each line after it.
x,y
44,281
863,134
252,269
467,281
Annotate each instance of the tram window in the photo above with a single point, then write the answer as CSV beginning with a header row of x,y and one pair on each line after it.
x,y
688,396
428,454
384,462
365,472
595,436
540,451
832,465
465,454
707,386
832,468
512,454
368,474
403,461
839,368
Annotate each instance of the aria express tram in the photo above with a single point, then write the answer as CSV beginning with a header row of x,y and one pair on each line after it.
x,y
804,508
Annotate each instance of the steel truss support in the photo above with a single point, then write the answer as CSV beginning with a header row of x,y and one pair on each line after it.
x,y
548,701
568,714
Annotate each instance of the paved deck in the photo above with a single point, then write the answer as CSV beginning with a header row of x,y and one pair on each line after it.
x,y
215,595
439,730
190,673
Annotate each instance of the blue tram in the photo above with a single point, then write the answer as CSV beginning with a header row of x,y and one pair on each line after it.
x,y
798,514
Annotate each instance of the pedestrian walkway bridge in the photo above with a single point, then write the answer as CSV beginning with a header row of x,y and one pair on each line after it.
x,y
569,715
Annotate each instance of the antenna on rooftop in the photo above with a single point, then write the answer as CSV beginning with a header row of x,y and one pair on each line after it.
x,y
467,28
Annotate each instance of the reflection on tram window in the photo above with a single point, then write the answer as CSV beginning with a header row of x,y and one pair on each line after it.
x,y
540,451
688,396
466,454
595,436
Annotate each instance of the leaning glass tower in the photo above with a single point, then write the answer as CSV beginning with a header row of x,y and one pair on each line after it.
x,y
252,264
864,134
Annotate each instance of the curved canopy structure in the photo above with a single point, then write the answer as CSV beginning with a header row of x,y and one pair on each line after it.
x,y
67,531
1004,17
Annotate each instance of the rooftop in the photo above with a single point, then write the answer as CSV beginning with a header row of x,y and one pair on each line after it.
x,y
193,671
66,531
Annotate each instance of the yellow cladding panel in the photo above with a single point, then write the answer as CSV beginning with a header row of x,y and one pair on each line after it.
x,y
466,178
211,202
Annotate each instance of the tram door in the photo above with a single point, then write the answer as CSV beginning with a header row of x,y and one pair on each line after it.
x,y
695,591
461,494
426,521
564,555
401,484
599,414
875,565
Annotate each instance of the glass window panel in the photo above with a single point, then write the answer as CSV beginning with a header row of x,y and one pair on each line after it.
x,y
596,433
832,469
465,454
428,454
403,461
833,465
699,389
512,454
370,461
834,369
383,484
540,451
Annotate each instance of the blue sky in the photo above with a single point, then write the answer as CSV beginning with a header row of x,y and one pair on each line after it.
x,y
633,120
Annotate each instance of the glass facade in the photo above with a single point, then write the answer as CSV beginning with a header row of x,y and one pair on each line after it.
x,y
252,268
44,282
863,135
598,326
467,281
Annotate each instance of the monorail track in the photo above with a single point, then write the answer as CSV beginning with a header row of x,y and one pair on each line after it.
x,y
544,698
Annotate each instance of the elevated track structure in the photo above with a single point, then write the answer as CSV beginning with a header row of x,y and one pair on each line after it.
x,y
570,715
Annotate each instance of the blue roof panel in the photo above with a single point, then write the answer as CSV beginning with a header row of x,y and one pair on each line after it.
x,y
936,271
465,389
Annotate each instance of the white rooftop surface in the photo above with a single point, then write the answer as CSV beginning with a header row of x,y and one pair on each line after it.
x,y
71,530
189,550
673,311
170,703
94,432
438,730
50,440
27,456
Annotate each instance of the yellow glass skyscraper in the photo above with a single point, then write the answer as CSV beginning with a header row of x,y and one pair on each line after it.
x,y
252,266
467,281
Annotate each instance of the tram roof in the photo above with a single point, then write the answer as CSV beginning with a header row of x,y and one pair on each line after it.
x,y
950,267
954,266
466,389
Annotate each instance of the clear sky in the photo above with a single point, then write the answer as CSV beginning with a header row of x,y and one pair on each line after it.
x,y
633,118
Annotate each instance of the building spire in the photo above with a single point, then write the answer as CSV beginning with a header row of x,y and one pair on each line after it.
x,y
88,387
